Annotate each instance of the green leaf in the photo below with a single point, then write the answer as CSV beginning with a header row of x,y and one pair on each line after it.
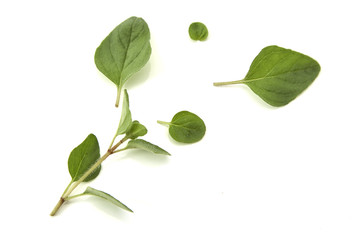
x,y
279,75
144,145
83,157
198,31
136,130
186,127
124,51
108,197
125,120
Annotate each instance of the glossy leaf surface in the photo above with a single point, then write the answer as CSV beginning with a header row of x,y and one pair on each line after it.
x,y
83,157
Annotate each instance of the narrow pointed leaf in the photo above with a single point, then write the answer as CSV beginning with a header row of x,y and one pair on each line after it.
x,y
83,157
124,51
144,145
136,130
108,197
125,120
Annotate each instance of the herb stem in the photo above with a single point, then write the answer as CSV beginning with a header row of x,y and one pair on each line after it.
x,y
58,205
74,196
65,196
112,141
239,81
118,97
163,123
120,150
228,83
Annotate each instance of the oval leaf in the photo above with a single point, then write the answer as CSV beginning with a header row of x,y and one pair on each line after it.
x,y
108,197
279,75
124,51
186,127
83,157
125,120
198,31
144,145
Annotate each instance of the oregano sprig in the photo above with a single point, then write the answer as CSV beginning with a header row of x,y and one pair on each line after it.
x,y
85,162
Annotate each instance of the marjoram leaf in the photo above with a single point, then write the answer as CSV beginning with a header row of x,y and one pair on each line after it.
x,y
124,51
144,145
125,119
186,127
83,157
108,197
136,130
279,75
198,31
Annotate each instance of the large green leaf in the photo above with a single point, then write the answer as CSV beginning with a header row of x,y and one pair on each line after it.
x,y
124,51
279,75
144,145
108,197
83,157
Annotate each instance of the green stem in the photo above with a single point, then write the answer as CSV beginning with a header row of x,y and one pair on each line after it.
x,y
61,200
228,83
118,97
75,196
112,141
57,206
236,82
120,150
65,196
163,123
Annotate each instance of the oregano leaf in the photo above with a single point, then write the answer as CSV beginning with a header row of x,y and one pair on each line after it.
x,y
106,196
186,127
279,75
198,31
83,157
136,130
125,119
145,145
124,51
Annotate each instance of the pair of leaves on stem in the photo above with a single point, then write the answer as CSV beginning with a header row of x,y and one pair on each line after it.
x,y
134,129
81,159
278,75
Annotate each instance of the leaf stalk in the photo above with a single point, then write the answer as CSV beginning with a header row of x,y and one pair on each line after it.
x,y
118,97
228,83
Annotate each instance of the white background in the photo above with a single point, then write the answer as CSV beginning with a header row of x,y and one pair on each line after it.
x,y
259,173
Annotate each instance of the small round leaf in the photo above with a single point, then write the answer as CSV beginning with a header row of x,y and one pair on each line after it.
x,y
198,31
186,127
